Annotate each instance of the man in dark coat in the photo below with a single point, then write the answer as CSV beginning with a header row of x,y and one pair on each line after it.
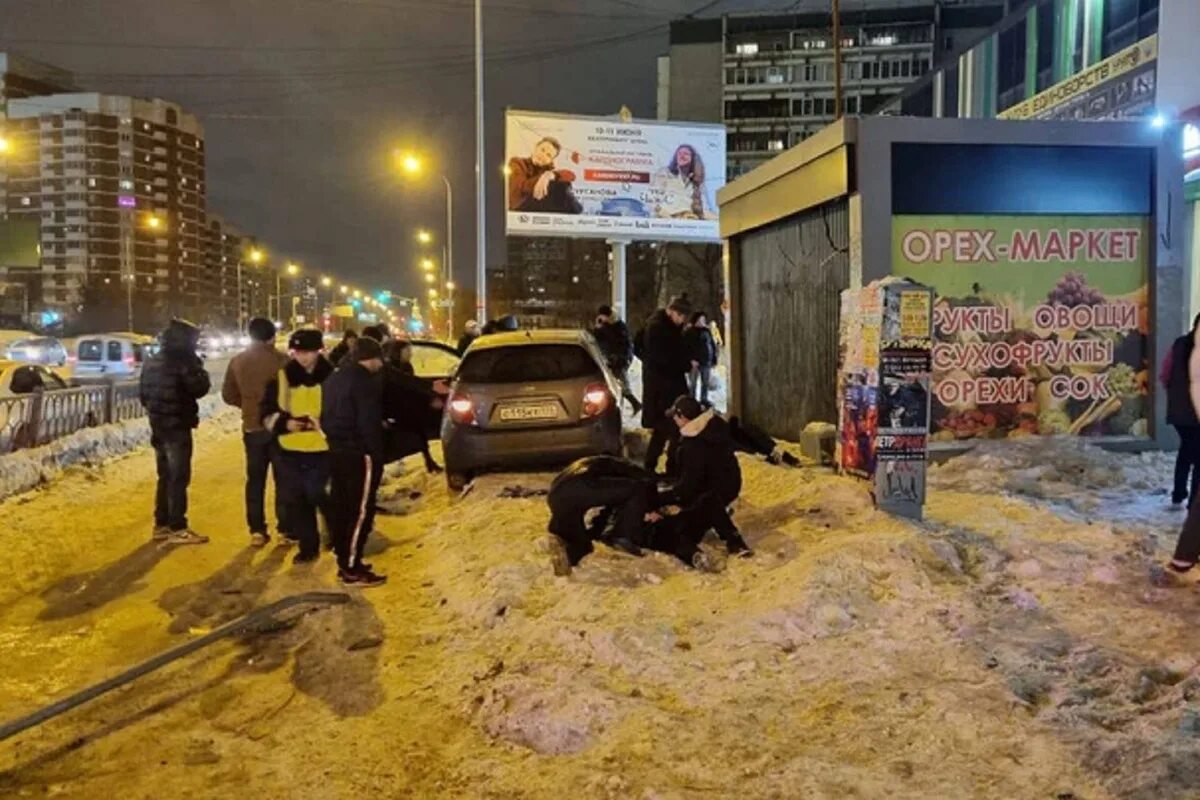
x,y
612,335
171,383
665,366
710,478
470,334
410,406
624,492
352,419
342,348
702,355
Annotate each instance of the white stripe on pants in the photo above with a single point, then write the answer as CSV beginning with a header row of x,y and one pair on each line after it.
x,y
352,557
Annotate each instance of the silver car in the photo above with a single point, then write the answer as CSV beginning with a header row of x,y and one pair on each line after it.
x,y
529,399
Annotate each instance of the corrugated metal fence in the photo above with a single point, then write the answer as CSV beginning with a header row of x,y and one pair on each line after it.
x,y
791,275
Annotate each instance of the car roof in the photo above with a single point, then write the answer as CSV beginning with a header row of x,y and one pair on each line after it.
x,y
530,337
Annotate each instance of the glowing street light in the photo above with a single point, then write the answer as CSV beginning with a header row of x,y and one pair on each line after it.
x,y
5,145
429,278
357,294
433,293
451,286
153,222
327,281
427,264
424,236
410,163
256,255
292,269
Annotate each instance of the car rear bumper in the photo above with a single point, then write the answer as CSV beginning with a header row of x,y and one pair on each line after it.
x,y
471,449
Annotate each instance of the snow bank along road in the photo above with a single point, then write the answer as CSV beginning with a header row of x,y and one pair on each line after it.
x,y
1012,646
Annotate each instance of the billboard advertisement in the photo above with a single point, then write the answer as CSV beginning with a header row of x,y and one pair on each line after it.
x,y
601,177
1040,322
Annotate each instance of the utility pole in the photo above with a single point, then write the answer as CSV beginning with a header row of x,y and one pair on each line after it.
x,y
837,58
480,183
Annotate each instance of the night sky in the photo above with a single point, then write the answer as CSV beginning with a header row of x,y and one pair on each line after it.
x,y
303,101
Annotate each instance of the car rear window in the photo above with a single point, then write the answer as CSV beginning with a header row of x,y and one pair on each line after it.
x,y
91,350
114,351
524,363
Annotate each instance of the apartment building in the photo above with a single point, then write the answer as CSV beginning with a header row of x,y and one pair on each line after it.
x,y
118,185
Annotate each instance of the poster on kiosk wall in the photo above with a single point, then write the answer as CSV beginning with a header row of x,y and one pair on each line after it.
x,y
1040,323
602,177
883,430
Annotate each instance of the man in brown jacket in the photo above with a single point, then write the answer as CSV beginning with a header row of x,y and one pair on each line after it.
x,y
245,382
535,184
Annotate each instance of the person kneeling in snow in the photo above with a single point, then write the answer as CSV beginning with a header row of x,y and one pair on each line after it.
x,y
710,478
624,494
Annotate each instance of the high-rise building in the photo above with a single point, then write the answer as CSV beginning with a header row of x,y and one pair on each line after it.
x,y
118,184
770,77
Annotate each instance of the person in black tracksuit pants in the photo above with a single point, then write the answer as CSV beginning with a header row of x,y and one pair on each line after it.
x,y
352,419
710,478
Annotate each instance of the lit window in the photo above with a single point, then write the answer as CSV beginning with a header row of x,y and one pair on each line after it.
x,y
127,184
775,145
747,48
25,201
92,183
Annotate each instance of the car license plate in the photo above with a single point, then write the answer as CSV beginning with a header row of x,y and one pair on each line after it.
x,y
525,413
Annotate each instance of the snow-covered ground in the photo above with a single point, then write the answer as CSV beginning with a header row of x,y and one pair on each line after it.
x,y
1015,644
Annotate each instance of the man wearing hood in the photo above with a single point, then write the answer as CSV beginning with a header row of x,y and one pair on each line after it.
x,y
710,478
171,383
291,411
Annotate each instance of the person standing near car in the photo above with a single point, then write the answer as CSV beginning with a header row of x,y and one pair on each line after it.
x,y
470,334
352,419
246,381
665,367
702,352
616,344
291,411
171,383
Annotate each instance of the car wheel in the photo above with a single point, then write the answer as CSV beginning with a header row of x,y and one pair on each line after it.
x,y
457,481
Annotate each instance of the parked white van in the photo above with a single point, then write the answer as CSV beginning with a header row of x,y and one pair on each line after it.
x,y
112,356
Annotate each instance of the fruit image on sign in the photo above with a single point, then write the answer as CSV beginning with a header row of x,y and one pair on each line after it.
x,y
1040,323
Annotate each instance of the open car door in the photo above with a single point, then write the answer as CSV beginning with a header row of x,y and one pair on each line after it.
x,y
434,361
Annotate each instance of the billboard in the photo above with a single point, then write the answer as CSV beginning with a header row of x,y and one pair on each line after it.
x,y
601,177
1040,322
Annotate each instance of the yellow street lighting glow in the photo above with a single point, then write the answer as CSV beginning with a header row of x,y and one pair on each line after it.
x,y
5,145
410,163
153,222
426,263
292,269
345,290
256,255
429,277
357,293
327,281
424,237
451,285
433,293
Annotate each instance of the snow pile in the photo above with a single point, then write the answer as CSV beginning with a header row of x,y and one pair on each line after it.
x,y
23,470
1065,470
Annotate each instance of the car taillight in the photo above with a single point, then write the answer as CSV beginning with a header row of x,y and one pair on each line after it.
x,y
595,400
129,361
462,410
71,359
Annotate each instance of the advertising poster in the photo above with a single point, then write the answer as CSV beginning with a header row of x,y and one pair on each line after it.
x,y
859,380
1040,323
601,177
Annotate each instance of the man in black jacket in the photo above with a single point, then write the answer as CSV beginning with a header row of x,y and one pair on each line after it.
x,y
352,419
343,348
621,489
612,335
171,383
411,406
710,478
665,366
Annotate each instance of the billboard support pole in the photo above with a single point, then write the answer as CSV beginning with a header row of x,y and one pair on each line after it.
x,y
480,199
618,247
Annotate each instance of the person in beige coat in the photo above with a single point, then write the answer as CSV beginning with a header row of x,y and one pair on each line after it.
x,y
245,382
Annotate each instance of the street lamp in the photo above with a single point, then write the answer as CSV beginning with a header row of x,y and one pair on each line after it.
x,y
150,222
5,145
423,236
411,165
427,264
429,277
345,289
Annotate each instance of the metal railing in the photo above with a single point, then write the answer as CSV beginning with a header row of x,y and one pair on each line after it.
x,y
39,418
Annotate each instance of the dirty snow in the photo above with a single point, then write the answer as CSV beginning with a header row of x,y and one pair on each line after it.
x,y
1011,646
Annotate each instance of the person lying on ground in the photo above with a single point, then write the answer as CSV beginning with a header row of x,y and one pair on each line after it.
x,y
748,438
710,478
